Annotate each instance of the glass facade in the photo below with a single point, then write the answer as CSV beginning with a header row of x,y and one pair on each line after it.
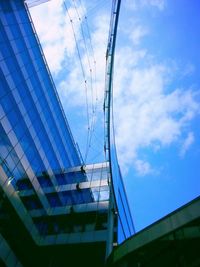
x,y
77,207
125,221
59,200
33,125
40,167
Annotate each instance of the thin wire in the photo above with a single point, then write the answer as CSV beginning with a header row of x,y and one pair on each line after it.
x,y
91,11
91,84
94,110
94,62
83,71
92,76
92,49
89,52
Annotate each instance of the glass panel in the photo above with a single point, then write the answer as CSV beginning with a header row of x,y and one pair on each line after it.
x,y
31,202
54,200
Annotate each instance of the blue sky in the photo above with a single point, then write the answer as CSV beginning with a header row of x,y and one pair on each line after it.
x,y
156,92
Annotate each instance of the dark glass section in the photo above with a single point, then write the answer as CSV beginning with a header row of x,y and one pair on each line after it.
x,y
31,202
45,180
70,177
42,227
101,221
72,223
24,184
61,179
77,196
66,198
74,197
54,200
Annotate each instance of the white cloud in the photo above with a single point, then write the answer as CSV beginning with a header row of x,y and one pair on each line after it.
x,y
72,87
53,26
146,113
135,4
187,143
160,4
142,167
138,33
56,35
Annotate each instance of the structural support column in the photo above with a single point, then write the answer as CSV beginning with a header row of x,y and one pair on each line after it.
x,y
108,113
111,219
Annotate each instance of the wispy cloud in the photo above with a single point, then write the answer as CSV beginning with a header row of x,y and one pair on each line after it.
x,y
148,113
187,143
135,4
53,27
72,86
142,167
56,34
160,4
138,33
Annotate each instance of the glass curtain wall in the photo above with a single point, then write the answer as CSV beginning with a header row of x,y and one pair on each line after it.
x,y
125,222
34,133
38,156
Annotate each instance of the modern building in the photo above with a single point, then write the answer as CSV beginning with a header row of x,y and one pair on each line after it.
x,y
53,209
172,241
